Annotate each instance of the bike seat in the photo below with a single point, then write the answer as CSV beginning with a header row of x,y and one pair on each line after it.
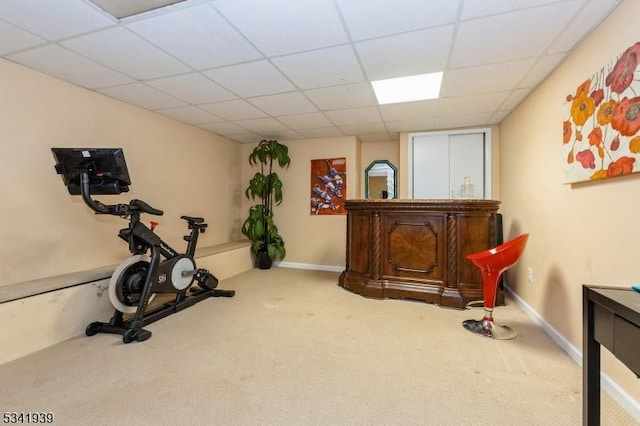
x,y
195,222
191,219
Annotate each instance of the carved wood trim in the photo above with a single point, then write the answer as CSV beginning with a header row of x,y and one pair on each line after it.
x,y
444,205
375,255
395,265
452,251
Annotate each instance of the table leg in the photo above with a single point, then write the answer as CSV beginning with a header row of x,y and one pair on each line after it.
x,y
590,365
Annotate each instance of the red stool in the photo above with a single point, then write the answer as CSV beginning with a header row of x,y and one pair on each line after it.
x,y
492,264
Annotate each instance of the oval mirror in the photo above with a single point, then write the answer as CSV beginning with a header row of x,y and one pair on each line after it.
x,y
380,180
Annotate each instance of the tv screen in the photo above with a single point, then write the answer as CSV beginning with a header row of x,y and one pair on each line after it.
x,y
106,168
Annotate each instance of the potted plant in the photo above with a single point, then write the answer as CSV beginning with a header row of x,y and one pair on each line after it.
x,y
259,227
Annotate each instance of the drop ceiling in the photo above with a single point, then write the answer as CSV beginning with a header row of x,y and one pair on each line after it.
x,y
297,69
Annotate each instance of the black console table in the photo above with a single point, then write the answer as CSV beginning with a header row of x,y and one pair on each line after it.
x,y
611,318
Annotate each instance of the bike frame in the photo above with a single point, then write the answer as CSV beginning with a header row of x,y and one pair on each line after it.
x,y
158,278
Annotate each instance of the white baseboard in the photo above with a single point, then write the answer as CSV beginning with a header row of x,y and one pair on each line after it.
x,y
313,267
608,384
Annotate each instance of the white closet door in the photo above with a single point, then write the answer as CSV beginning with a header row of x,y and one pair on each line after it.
x,y
442,160
467,159
431,166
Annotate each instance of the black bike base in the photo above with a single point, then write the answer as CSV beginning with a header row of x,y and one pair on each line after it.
x,y
133,331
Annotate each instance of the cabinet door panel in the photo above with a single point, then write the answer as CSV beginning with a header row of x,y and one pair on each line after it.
x,y
475,232
359,249
414,247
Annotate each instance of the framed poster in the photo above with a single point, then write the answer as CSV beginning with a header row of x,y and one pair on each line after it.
x,y
328,186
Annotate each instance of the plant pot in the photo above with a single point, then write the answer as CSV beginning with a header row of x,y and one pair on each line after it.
x,y
263,261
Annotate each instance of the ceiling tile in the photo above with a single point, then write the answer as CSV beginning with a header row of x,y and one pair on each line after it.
x,y
262,125
189,114
13,38
69,66
251,79
356,129
283,104
514,98
280,27
280,135
541,69
412,124
66,19
338,66
251,138
465,105
305,121
377,137
323,132
234,110
198,36
483,41
223,128
476,9
345,117
192,88
339,97
499,116
409,110
406,54
587,19
462,120
142,95
386,17
485,78
123,51
300,69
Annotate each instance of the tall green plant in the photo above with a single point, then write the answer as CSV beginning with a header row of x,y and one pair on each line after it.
x,y
266,185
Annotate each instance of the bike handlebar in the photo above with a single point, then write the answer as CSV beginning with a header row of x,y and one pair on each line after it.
x,y
141,205
114,209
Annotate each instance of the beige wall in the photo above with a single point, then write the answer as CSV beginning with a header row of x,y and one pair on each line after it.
x,y
317,240
44,231
581,233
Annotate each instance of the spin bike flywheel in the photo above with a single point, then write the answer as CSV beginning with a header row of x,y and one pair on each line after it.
x,y
127,281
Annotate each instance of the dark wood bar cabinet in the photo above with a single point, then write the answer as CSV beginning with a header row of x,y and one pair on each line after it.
x,y
416,249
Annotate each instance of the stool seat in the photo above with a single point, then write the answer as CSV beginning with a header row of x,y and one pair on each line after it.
x,y
492,263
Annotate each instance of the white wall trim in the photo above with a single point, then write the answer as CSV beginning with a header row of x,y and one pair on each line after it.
x,y
310,266
608,384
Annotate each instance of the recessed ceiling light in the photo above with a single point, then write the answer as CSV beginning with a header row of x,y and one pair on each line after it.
x,y
407,89
124,8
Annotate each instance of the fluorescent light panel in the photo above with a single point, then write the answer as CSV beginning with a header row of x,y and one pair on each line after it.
x,y
124,8
407,89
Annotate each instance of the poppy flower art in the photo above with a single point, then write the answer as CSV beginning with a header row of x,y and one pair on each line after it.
x,y
602,120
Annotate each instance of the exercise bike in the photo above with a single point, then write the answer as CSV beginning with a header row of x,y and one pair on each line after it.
x,y
137,280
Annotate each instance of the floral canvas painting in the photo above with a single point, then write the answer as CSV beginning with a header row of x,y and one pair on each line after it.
x,y
602,119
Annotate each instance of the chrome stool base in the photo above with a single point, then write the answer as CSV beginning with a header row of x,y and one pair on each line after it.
x,y
489,328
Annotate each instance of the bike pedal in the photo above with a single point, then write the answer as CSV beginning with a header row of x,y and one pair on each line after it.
x,y
207,281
